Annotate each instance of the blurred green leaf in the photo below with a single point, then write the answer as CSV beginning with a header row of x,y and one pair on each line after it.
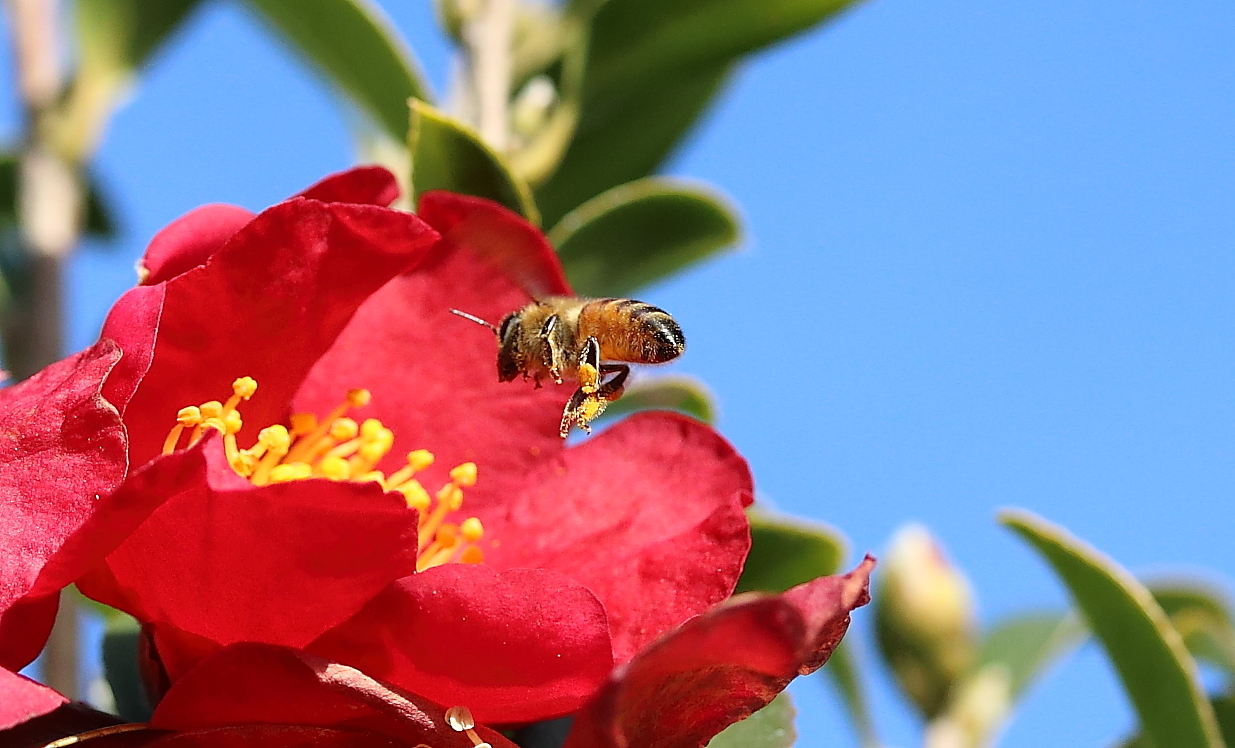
x,y
1224,709
1158,675
640,232
1026,645
97,222
448,155
1202,616
622,139
123,674
842,670
358,49
114,39
683,394
787,551
770,727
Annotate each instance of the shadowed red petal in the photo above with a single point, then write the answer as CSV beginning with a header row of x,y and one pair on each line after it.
x,y
62,449
22,699
721,667
273,736
264,684
267,305
366,185
190,240
647,515
434,375
227,561
519,646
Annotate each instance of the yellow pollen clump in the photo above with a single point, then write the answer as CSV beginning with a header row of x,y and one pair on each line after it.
x,y
340,449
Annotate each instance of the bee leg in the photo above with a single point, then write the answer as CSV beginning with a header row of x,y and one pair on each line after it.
x,y
554,357
589,366
586,406
613,389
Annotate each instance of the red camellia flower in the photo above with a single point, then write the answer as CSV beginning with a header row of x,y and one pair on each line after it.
x,y
482,562
259,694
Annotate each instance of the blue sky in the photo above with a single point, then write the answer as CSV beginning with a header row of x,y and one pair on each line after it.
x,y
988,263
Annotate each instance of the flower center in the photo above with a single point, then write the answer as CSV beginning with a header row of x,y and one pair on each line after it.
x,y
337,448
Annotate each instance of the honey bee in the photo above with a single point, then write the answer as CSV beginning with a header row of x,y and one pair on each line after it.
x,y
590,341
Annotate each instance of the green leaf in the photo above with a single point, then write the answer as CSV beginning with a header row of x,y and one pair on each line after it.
x,y
1202,616
842,670
770,727
1158,675
787,551
123,674
683,394
114,39
640,232
1224,708
358,49
448,155
625,138
635,42
1026,645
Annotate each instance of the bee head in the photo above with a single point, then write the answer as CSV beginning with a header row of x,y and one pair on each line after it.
x,y
508,348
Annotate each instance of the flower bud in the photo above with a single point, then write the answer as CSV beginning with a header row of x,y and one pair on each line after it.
x,y
924,617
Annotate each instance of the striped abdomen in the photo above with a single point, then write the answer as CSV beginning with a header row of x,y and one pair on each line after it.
x,y
630,330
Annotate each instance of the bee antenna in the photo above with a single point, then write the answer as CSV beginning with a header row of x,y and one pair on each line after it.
x,y
475,319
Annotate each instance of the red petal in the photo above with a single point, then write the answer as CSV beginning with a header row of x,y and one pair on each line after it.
x,y
22,699
518,646
227,561
721,667
273,736
263,684
190,240
648,516
269,303
366,185
434,376
499,236
62,447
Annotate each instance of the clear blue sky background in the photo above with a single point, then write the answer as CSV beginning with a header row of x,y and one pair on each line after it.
x,y
989,263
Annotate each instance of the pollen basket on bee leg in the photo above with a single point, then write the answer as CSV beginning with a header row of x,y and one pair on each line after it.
x,y
338,448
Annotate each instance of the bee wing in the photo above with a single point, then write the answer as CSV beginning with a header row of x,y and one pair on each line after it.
x,y
500,237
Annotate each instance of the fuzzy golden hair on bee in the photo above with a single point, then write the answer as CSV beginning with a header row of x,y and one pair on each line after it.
x,y
590,341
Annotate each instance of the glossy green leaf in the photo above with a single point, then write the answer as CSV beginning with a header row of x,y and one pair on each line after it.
x,y
770,727
842,670
97,222
638,41
448,155
683,394
1158,675
625,138
1224,709
357,48
1026,645
788,551
636,233
1202,616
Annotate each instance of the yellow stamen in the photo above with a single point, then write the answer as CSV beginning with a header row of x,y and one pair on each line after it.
x,y
338,448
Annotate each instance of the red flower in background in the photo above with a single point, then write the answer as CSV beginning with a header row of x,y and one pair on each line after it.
x,y
588,553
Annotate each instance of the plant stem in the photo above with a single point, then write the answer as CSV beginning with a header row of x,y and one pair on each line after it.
x,y
489,38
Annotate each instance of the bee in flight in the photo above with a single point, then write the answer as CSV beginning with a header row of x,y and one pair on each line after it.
x,y
590,341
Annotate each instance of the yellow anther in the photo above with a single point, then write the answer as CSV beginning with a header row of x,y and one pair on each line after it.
x,y
190,416
420,459
334,468
244,464
371,429
291,472
303,423
275,438
447,535
244,387
464,475
450,496
472,555
373,476
212,409
416,495
373,452
343,429
232,422
460,718
472,530
359,398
